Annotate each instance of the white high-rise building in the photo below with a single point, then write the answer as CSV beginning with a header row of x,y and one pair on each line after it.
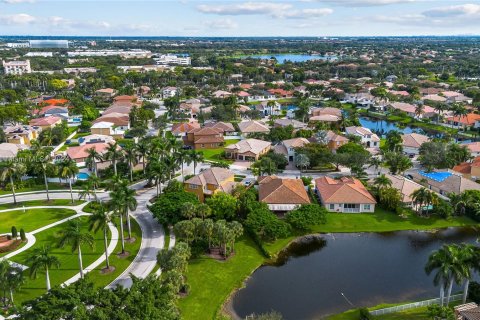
x,y
17,67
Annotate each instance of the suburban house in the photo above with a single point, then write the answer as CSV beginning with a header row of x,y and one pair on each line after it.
x,y
46,122
107,128
53,110
80,153
469,170
453,97
443,181
181,129
204,138
361,99
326,111
464,122
22,134
225,127
287,147
248,150
297,125
334,140
269,108
282,194
210,181
8,151
261,96
106,93
412,110
405,186
95,138
368,138
221,94
169,92
346,195
252,126
474,148
119,120
468,311
412,142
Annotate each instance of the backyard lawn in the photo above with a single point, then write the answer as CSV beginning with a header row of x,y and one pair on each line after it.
x,y
32,219
69,261
214,154
39,187
37,203
212,281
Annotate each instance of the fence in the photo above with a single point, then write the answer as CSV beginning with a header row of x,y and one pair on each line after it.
x,y
413,305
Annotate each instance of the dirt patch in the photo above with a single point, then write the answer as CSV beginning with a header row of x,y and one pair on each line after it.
x,y
123,255
107,270
131,240
218,255
7,245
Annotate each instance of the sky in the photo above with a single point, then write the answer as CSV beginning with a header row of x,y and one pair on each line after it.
x,y
317,18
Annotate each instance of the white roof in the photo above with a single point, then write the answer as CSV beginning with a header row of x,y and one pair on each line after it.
x,y
102,124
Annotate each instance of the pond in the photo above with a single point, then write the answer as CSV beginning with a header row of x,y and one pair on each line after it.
x,y
383,127
282,58
310,277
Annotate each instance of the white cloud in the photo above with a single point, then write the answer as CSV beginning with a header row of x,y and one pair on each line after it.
x,y
17,19
246,8
221,24
18,1
306,13
364,3
468,10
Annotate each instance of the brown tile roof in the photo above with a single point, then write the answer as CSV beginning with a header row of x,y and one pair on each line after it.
x,y
405,186
454,183
414,140
118,119
274,190
223,126
343,190
214,176
469,119
81,152
184,127
332,136
47,121
253,126
249,145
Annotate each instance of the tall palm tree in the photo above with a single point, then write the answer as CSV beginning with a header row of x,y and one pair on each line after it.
x,y
113,153
375,162
11,170
92,158
68,170
131,155
130,203
41,258
182,158
420,197
382,181
100,220
117,203
93,181
470,255
440,261
73,235
11,278
45,167
195,157
143,148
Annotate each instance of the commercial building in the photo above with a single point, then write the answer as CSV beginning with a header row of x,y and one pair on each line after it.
x,y
41,44
17,67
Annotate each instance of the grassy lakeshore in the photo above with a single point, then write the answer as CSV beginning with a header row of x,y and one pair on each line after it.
x,y
213,281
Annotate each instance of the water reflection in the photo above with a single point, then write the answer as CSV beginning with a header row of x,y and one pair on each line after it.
x,y
369,268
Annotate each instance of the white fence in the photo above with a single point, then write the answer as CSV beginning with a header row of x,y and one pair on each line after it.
x,y
413,305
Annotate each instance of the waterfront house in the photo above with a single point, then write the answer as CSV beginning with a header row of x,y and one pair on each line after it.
x,y
344,195
282,195
463,122
443,181
210,181
412,142
367,137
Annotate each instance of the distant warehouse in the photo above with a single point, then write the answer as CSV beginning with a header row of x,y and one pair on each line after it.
x,y
40,44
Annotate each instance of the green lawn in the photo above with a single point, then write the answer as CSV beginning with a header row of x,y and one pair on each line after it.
x,y
120,264
69,261
213,281
39,187
214,154
31,219
36,203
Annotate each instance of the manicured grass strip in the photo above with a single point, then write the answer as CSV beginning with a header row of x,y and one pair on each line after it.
x,y
37,203
214,154
120,264
32,219
69,261
212,281
41,187
380,221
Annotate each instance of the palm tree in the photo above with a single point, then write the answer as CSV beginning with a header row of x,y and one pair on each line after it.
x,y
157,171
87,191
419,197
73,235
93,181
93,156
131,155
100,220
11,278
440,261
375,162
419,110
382,181
302,161
182,157
68,169
460,202
143,148
195,157
130,203
11,170
470,255
41,258
113,153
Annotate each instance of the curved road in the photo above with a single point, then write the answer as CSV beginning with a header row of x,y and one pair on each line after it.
x,y
153,235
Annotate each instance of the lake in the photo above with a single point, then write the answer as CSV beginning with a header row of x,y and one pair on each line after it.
x,y
384,127
309,278
282,58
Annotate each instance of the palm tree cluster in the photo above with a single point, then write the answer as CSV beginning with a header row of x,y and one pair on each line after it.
x,y
424,199
219,234
11,279
455,263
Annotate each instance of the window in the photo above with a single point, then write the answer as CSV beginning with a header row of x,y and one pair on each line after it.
x,y
366,207
349,205
193,186
332,206
202,146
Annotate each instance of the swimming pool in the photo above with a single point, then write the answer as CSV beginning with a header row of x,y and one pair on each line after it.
x,y
439,176
82,176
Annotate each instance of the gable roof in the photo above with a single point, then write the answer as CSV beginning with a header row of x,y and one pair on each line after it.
x,y
47,121
251,126
254,146
183,127
295,142
343,190
290,122
449,183
274,190
118,119
81,152
223,126
414,140
213,176
404,185
468,119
